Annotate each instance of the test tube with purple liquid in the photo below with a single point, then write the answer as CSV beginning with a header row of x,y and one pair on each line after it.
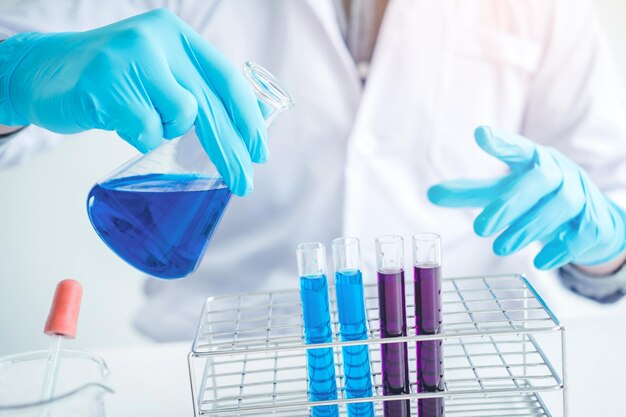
x,y
428,321
392,307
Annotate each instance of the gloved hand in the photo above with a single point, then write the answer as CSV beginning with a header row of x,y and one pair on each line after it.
x,y
147,77
545,198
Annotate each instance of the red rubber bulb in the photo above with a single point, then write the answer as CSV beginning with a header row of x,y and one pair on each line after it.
x,y
63,317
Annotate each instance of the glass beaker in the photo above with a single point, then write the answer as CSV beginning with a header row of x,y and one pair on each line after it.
x,y
80,387
159,210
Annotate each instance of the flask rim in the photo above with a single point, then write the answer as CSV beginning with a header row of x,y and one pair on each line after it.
x,y
267,87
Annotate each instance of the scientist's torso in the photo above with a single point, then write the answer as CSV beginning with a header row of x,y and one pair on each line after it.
x,y
356,159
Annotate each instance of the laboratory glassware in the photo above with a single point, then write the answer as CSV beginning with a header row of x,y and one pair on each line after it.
x,y
81,385
159,210
248,357
428,321
392,310
311,258
62,323
352,323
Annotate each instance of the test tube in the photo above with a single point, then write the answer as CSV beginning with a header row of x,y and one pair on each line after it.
x,y
316,316
428,320
352,323
392,314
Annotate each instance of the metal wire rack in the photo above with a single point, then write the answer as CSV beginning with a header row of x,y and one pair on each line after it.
x,y
249,357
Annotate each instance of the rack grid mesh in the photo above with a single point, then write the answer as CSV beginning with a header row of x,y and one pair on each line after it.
x,y
506,405
255,362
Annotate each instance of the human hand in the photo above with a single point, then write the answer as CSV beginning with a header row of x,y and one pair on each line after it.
x,y
545,198
147,78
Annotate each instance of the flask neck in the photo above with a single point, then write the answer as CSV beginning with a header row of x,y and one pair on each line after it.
x,y
186,155
272,96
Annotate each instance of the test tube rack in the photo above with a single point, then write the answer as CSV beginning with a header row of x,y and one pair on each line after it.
x,y
248,357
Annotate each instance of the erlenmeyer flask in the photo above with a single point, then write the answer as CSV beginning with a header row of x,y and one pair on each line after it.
x,y
159,210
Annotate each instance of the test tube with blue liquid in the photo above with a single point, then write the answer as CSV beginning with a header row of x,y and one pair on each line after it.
x,y
392,315
317,328
428,321
352,324
159,210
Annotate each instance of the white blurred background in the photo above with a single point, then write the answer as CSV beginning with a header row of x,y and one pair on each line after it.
x,y
45,235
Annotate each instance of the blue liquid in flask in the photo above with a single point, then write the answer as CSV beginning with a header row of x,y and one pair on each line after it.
x,y
352,325
320,362
158,223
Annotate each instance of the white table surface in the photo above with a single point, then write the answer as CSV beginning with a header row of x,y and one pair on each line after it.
x,y
149,381
153,381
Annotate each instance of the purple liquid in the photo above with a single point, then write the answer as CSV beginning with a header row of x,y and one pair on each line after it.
x,y
429,353
394,356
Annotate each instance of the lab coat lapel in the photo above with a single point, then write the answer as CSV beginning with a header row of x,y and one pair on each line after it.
x,y
407,63
325,13
387,170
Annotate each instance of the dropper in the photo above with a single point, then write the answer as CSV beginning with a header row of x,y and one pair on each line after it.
x,y
62,323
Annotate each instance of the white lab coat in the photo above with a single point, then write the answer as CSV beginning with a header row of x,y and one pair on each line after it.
x,y
357,161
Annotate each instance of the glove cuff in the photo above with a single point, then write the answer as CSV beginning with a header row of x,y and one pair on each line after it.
x,y
12,51
606,289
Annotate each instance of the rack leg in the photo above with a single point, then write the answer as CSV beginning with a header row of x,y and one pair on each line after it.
x,y
564,373
192,382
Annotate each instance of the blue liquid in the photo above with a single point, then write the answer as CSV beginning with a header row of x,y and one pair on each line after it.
x,y
158,223
352,325
320,362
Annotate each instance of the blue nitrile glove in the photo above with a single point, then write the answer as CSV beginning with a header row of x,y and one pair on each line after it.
x,y
545,198
147,77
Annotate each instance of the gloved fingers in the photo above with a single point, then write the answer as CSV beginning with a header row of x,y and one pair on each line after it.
x,y
544,219
534,187
223,144
515,150
177,107
557,252
604,226
140,126
123,105
146,136
469,192
234,92
538,224
571,241
593,237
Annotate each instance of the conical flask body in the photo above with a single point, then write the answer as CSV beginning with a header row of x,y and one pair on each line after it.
x,y
158,211
158,223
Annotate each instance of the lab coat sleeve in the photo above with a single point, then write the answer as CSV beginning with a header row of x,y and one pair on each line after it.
x,y
576,101
59,16
606,290
577,104
71,15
